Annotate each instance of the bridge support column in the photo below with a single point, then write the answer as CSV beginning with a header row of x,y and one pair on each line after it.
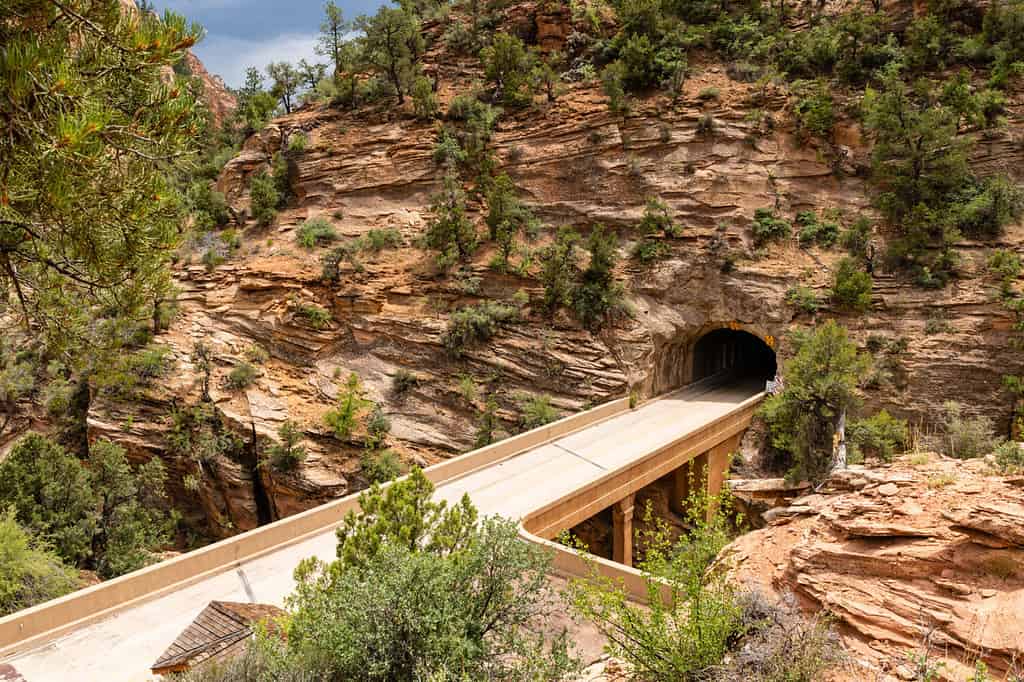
x,y
718,466
622,531
686,480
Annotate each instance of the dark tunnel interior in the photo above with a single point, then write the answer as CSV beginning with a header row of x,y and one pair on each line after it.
x,y
730,349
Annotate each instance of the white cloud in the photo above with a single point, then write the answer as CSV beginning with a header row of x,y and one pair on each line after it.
x,y
228,56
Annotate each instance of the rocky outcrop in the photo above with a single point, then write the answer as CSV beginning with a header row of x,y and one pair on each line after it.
x,y
218,99
908,559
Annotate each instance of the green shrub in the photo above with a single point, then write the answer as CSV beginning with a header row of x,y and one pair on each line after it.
x,y
264,198
208,207
815,231
424,101
256,353
648,251
821,381
536,410
287,453
475,324
30,572
378,426
508,65
297,142
150,363
1004,264
856,238
693,613
315,232
612,81
378,239
315,316
344,418
212,258
769,228
559,269
708,94
104,515
241,376
404,381
803,299
966,437
419,589
448,151
449,231
658,220
851,286
598,297
877,436
813,111
380,466
1010,458
331,261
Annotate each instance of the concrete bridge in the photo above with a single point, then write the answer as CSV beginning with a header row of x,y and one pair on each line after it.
x,y
550,478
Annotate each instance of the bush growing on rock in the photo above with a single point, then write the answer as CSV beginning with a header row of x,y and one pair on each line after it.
x,y
812,230
966,437
698,624
803,299
344,418
449,231
241,376
880,435
404,381
537,410
475,324
287,453
1010,458
424,101
264,198
598,297
851,286
380,466
508,65
315,232
767,227
315,316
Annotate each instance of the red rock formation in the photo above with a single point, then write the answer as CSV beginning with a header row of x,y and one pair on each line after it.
x,y
900,555
216,95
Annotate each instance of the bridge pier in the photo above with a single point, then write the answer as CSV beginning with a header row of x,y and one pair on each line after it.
x,y
622,530
707,470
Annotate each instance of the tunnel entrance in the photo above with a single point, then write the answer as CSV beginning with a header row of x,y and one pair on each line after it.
x,y
733,349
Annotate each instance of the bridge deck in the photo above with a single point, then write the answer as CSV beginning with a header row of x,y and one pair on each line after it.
x,y
122,647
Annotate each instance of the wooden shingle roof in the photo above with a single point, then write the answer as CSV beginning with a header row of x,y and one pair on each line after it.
x,y
219,631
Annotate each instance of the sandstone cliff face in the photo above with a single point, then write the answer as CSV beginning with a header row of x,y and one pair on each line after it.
x,y
216,95
910,559
573,163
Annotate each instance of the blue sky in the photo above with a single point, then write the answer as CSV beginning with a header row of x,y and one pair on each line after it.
x,y
241,33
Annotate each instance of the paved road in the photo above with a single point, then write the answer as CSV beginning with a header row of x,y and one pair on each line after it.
x,y
122,647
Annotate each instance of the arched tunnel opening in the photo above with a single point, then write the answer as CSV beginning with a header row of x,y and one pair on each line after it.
x,y
736,350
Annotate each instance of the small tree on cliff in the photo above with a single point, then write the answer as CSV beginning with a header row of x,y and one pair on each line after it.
x,y
820,387
392,44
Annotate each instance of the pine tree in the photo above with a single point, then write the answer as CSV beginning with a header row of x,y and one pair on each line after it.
x,y
91,124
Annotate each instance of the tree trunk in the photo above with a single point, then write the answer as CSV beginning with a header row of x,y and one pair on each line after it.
x,y
840,455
